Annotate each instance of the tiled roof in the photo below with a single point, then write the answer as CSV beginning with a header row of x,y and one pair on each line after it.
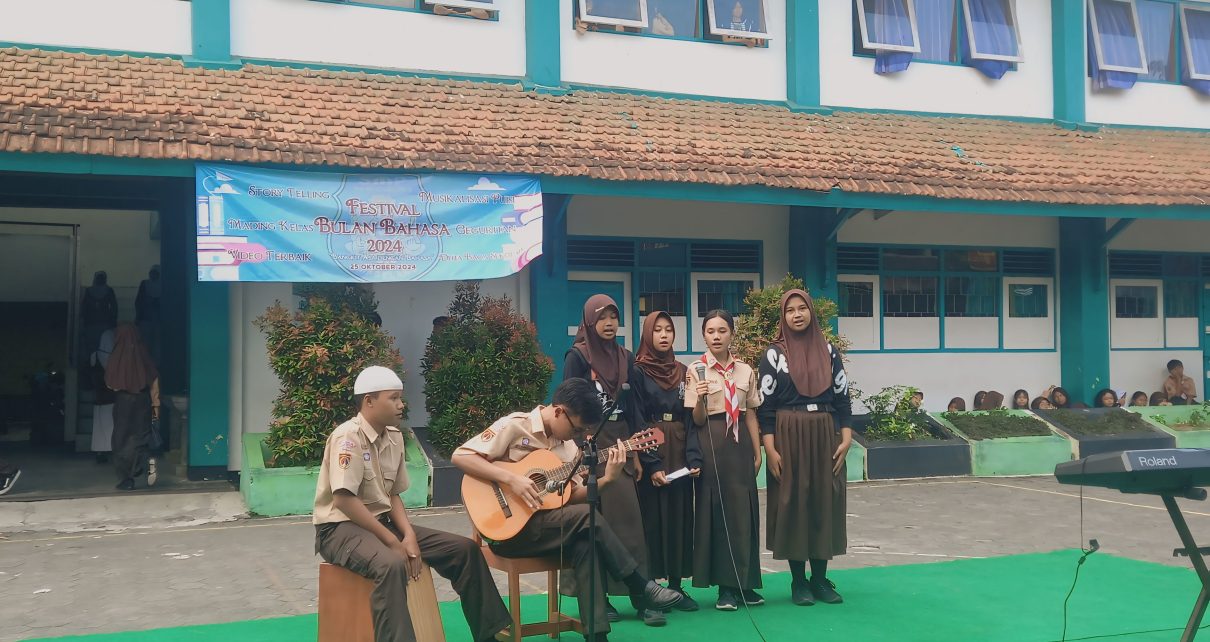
x,y
121,106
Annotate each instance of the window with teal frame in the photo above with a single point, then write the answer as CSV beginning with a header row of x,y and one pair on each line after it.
x,y
722,295
671,19
972,296
1136,302
856,299
1181,299
478,9
1028,301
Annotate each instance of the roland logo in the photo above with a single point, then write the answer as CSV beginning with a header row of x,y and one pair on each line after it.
x,y
1156,462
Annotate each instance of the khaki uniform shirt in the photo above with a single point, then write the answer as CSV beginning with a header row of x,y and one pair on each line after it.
x,y
513,437
363,462
745,387
1185,387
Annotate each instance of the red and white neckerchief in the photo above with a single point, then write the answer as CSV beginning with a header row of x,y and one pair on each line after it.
x,y
730,397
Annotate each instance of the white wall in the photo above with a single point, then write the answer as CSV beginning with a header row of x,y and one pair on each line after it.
x,y
152,26
931,228
301,30
944,376
677,66
1146,103
407,311
1160,235
1145,370
850,81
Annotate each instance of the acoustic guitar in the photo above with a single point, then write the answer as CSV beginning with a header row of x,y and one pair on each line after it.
x,y
498,513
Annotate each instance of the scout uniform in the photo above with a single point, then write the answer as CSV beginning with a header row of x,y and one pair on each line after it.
x,y
728,480
562,531
371,466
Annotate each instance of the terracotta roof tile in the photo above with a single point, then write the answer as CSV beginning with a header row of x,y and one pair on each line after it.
x,y
57,102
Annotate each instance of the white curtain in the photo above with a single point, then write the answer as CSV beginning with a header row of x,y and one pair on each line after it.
x,y
935,22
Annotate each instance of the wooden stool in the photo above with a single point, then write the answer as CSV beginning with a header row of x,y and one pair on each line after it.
x,y
344,606
556,622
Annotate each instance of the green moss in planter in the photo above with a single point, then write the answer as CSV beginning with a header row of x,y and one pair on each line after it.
x,y
1112,422
996,424
1198,419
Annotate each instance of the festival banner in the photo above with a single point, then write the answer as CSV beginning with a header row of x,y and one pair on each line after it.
x,y
274,225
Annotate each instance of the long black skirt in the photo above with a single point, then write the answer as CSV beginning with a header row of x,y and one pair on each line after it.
x,y
668,511
726,538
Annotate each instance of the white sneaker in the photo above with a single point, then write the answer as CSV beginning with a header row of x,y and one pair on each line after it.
x,y
9,481
152,474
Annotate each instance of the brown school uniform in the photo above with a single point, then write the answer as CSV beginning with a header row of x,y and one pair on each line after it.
x,y
727,486
371,466
562,531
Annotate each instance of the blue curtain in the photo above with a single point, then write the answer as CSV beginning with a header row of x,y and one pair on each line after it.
x,y
1198,25
994,32
888,23
1119,45
935,22
1157,21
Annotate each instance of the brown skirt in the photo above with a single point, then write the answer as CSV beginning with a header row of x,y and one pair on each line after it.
x,y
668,511
806,508
726,542
620,509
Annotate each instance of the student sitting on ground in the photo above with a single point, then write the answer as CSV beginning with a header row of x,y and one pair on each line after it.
x,y
957,404
1159,399
1179,388
1106,398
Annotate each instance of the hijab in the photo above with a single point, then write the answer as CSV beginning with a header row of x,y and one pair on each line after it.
x,y
992,401
662,368
806,352
130,367
606,358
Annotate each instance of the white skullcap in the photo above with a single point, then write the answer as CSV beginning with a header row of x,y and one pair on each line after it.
x,y
376,379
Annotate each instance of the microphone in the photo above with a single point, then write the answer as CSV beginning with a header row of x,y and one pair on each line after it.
x,y
701,371
554,486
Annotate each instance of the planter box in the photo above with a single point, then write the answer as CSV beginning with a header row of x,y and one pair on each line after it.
x,y
945,455
1165,417
1086,445
855,461
291,491
1012,456
447,478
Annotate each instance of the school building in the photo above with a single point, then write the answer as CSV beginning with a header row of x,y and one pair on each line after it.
x,y
1001,194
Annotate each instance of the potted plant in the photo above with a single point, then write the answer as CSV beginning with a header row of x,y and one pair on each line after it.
x,y
903,441
1105,430
1008,442
757,328
1190,425
484,363
317,353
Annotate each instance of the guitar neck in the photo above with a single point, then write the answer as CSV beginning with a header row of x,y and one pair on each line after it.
x,y
565,471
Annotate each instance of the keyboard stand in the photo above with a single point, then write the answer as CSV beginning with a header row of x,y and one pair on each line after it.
x,y
1199,564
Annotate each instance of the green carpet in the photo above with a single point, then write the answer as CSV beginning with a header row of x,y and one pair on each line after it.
x,y
1005,599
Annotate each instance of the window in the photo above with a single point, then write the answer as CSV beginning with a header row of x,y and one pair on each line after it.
x,y
737,18
1136,302
618,13
971,296
888,25
856,299
937,24
991,26
1117,43
677,18
909,296
481,9
662,291
1181,299
972,261
722,295
910,259
1157,21
1027,301
1195,28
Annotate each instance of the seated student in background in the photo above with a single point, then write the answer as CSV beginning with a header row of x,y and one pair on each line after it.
x,y
1139,398
1041,403
1179,388
978,400
992,401
1106,398
1159,399
574,408
917,400
1060,399
1021,400
957,404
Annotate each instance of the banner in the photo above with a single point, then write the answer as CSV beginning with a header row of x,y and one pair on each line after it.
x,y
272,225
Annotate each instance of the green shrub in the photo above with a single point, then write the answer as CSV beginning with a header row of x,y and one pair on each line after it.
x,y
317,353
1093,421
994,424
894,418
486,363
756,329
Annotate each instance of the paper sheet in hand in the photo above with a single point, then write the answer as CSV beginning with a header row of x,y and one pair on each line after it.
x,y
673,476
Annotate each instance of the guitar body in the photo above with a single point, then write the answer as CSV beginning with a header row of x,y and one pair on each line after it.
x,y
497,512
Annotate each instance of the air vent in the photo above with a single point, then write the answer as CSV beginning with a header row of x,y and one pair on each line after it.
x,y
857,259
1029,262
1127,265
594,253
735,257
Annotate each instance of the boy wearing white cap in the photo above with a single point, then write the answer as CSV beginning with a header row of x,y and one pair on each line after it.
x,y
361,525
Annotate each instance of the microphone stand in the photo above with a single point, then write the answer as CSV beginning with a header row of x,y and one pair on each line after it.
x,y
591,457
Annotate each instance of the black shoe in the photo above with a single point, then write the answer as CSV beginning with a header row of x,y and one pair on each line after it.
x,y
825,591
652,617
687,604
659,598
611,614
801,595
126,484
727,600
752,598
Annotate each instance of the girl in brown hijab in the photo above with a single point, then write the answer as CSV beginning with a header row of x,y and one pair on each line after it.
x,y
133,377
667,505
597,357
805,427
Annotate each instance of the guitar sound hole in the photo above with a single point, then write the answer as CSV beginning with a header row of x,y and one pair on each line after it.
x,y
539,479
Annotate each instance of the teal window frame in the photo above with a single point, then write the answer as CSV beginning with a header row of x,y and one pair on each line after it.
x,y
960,29
942,273
700,32
1166,276
1031,306
686,268
421,7
1150,310
1178,44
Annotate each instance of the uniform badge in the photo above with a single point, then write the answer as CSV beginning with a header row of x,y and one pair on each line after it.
x,y
343,459
525,442
347,444
488,434
365,456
